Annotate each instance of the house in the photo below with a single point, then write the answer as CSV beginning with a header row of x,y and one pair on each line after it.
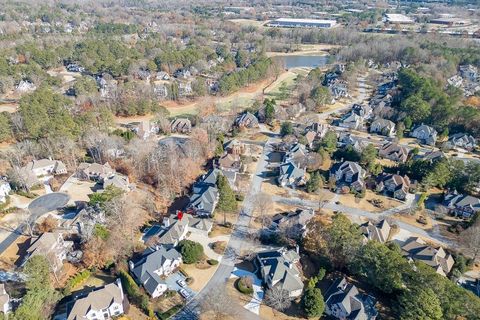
x,y
160,91
394,152
45,167
461,141
431,156
246,120
351,120
162,75
25,86
295,221
455,81
184,88
229,162
383,127
52,246
460,205
119,181
357,143
278,268
4,300
364,111
297,154
320,129
99,304
150,269
426,134
469,72
417,249
344,301
180,125
85,221
376,231
234,147
205,195
94,171
394,184
350,173
290,175
182,74
145,130
175,228
4,190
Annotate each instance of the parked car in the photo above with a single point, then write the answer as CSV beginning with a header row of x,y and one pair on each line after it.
x,y
181,283
184,293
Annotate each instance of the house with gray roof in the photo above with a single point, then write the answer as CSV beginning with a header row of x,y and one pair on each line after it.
x,y
351,120
349,173
205,195
175,228
394,152
357,143
180,125
460,141
151,268
279,269
383,126
376,231
417,249
52,246
119,181
98,304
246,120
364,111
295,221
394,185
426,134
290,175
94,171
45,167
344,301
297,154
461,205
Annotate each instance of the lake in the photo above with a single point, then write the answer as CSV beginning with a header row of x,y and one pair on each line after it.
x,y
305,61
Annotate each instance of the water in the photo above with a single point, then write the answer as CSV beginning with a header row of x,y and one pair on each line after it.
x,y
305,61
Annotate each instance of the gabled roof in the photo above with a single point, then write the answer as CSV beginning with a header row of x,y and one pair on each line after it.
x,y
379,231
280,267
98,299
437,258
290,171
145,269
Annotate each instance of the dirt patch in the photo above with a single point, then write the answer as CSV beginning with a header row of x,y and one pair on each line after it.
x,y
135,314
165,304
14,253
219,230
349,200
412,220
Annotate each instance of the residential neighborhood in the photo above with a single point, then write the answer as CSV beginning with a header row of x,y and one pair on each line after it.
x,y
253,160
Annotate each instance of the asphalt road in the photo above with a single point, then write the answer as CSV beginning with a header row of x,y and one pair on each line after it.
x,y
37,207
235,246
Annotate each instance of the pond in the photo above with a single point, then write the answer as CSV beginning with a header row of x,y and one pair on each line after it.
x,y
305,61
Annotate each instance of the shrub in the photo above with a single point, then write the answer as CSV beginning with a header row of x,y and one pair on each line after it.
x,y
245,285
191,251
76,280
212,262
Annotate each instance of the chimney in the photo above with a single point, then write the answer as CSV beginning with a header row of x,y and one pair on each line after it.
x,y
131,265
398,172
166,222
297,249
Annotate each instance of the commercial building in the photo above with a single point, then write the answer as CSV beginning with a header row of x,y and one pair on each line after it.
x,y
302,23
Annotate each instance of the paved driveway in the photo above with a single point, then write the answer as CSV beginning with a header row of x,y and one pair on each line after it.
x,y
47,203
258,293
173,285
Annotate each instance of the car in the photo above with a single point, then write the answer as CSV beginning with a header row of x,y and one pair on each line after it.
x,y
181,283
184,293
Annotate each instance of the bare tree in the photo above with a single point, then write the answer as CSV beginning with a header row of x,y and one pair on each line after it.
x,y
471,241
218,305
277,298
263,202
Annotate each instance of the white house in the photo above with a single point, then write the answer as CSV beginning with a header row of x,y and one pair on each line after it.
x,y
4,190
100,304
4,300
153,266
45,167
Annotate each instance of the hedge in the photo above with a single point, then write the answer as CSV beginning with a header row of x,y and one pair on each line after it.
x,y
133,292
243,288
170,312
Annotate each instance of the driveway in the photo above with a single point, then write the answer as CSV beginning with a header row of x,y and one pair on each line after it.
x,y
172,284
258,293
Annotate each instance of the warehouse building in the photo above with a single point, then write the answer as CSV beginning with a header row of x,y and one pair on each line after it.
x,y
398,18
302,23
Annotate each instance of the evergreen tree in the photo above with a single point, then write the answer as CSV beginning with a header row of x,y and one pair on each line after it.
x,y
227,201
